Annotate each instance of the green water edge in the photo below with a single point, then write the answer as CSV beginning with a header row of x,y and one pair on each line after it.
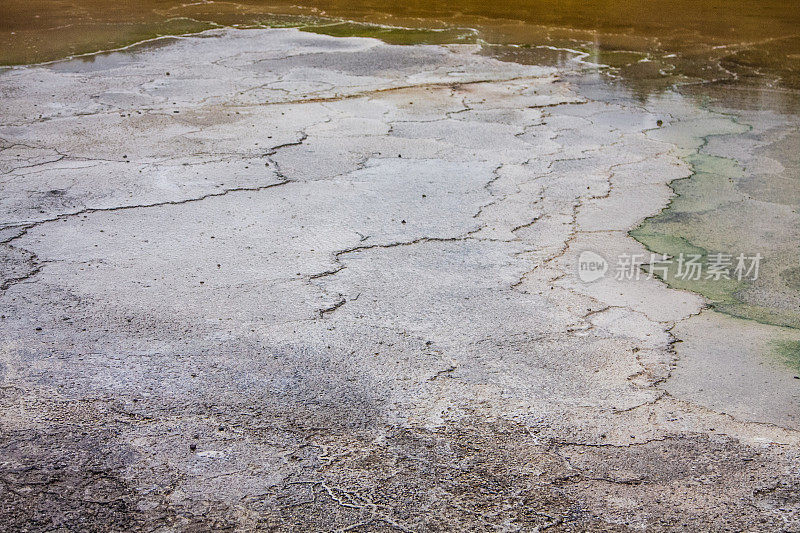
x,y
644,72
127,36
626,64
669,233
114,39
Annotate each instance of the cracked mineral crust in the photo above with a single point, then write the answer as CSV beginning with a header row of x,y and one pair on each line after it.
x,y
313,283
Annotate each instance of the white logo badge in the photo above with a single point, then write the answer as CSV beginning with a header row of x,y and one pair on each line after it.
x,y
591,266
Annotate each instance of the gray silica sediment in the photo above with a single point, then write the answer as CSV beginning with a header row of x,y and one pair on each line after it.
x,y
278,273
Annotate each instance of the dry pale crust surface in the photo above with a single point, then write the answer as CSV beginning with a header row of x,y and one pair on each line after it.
x,y
273,280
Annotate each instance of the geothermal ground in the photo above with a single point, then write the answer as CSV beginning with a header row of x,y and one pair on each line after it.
x,y
273,280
